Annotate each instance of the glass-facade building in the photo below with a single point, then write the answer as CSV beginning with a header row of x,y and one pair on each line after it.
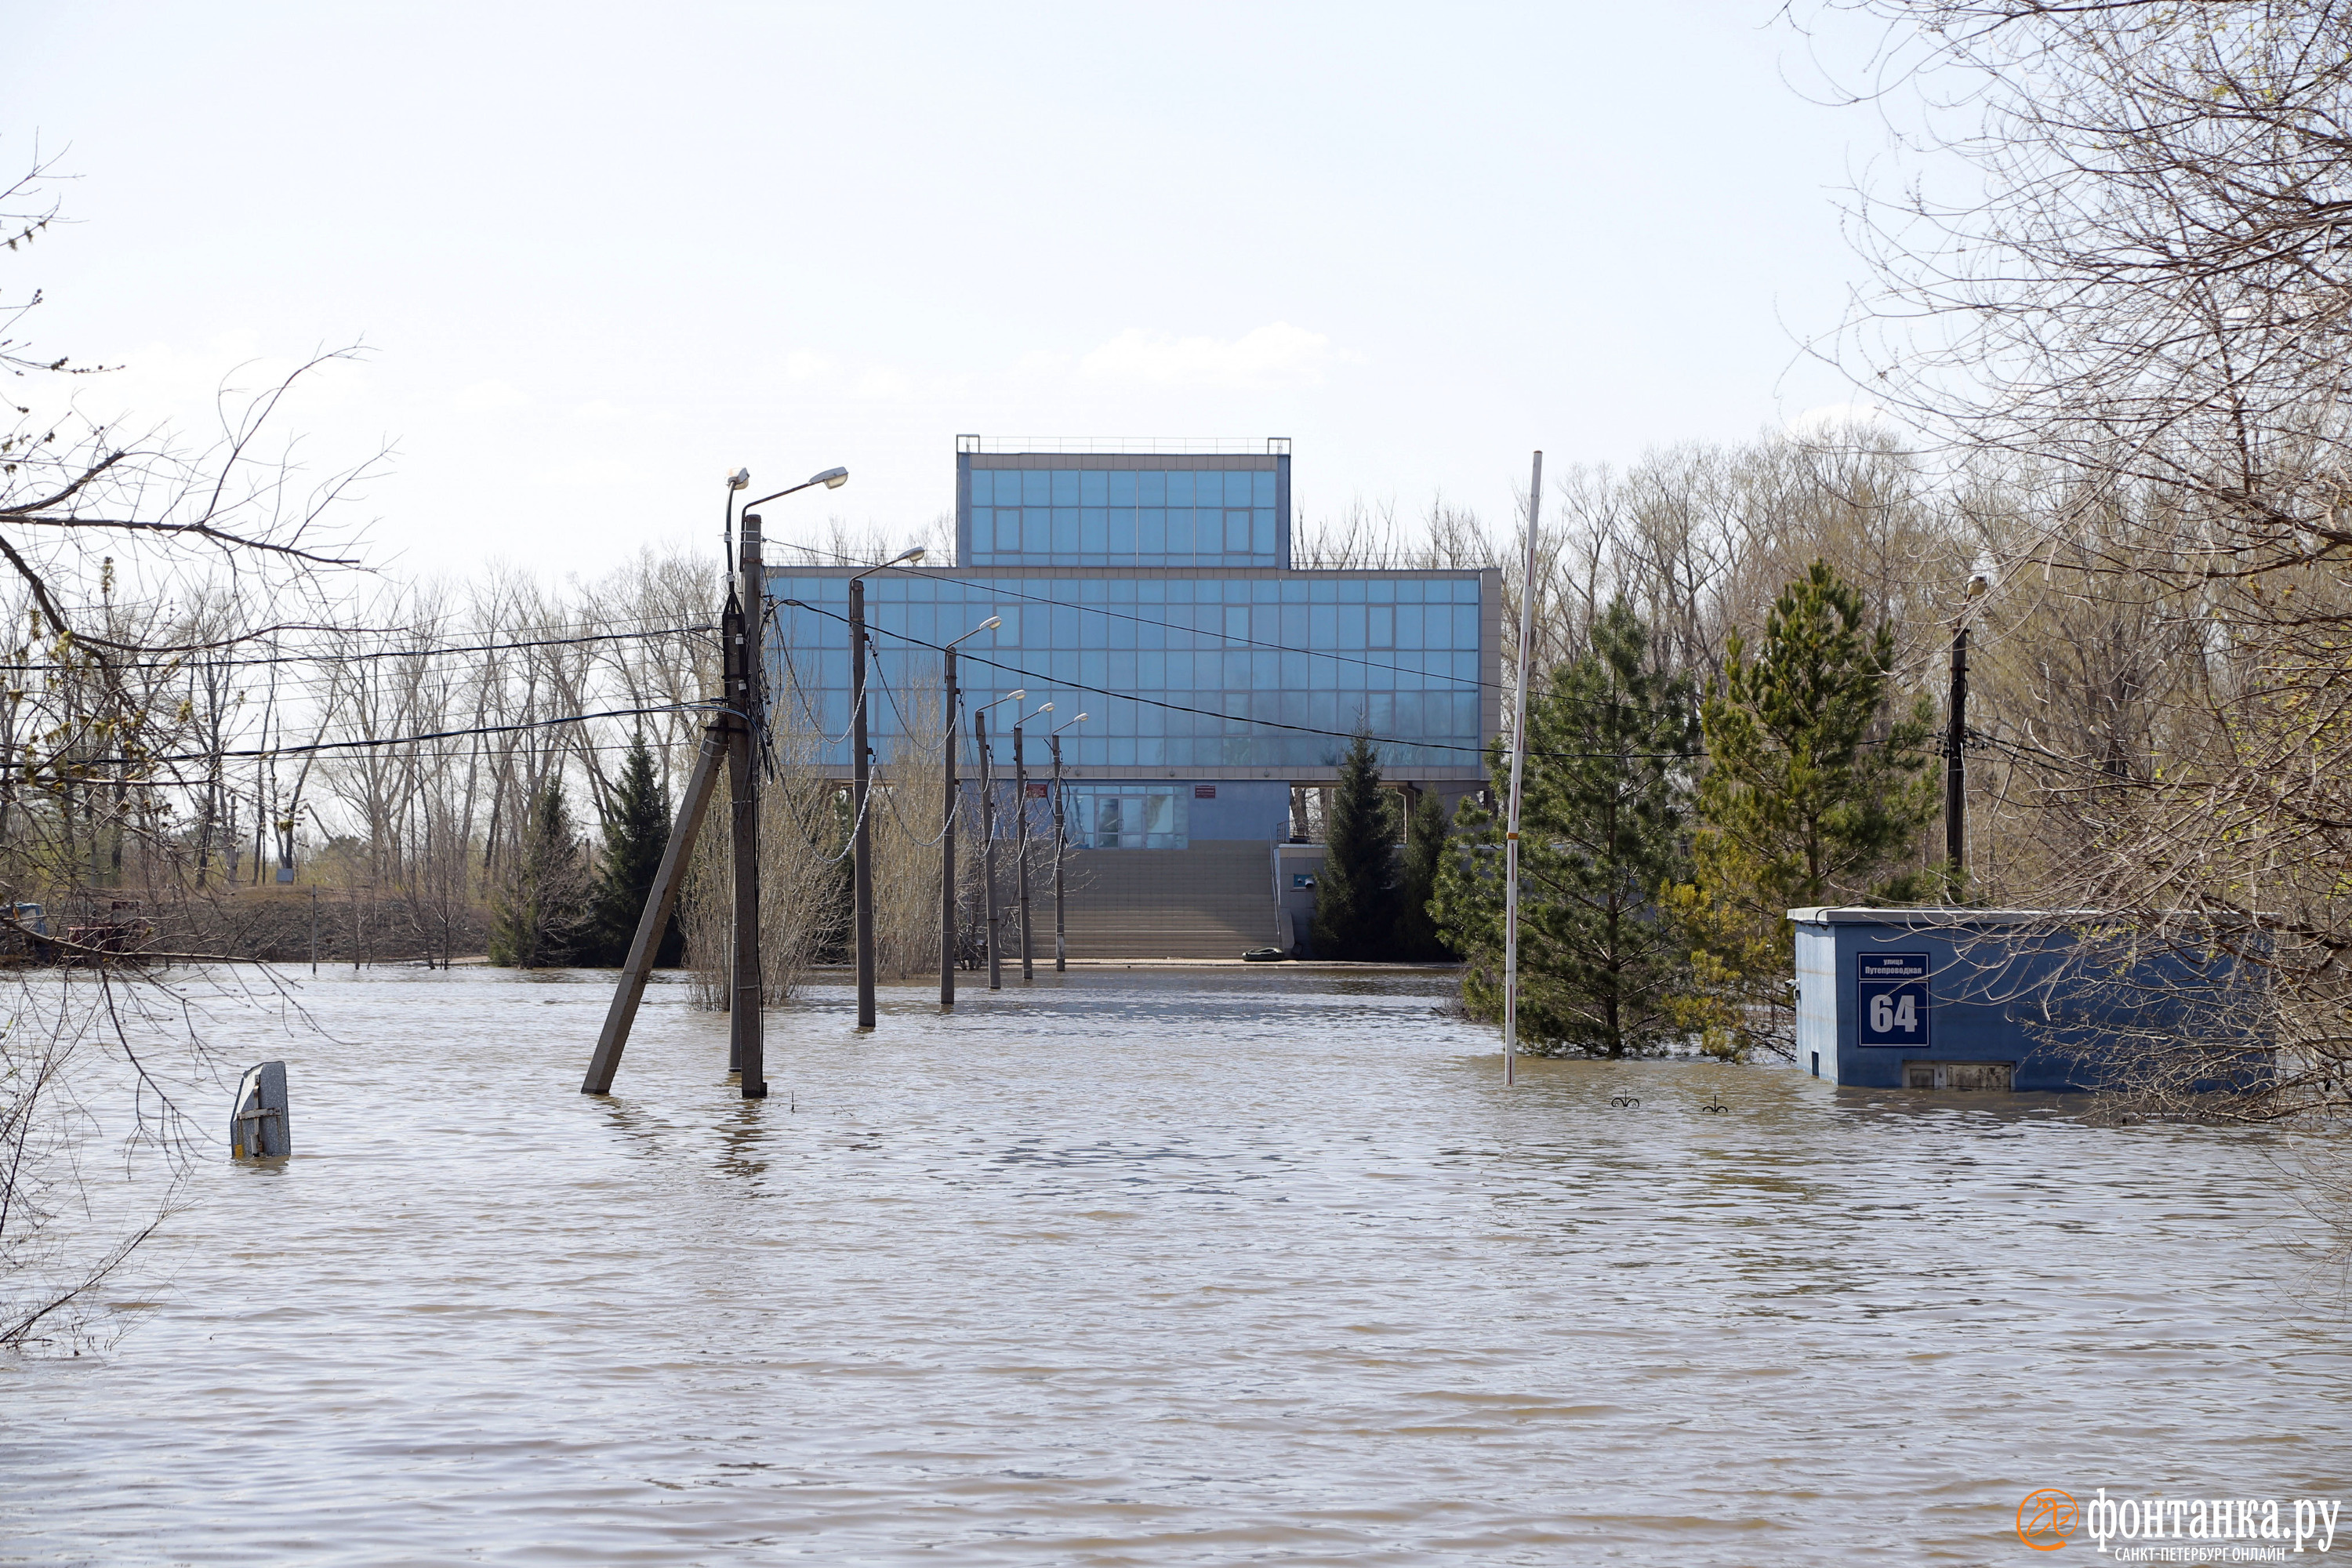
x,y
1154,593
1119,509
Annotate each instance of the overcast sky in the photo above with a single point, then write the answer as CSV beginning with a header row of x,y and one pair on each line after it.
x,y
602,254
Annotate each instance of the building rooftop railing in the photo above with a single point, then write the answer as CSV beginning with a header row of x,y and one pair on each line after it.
x,y
1155,446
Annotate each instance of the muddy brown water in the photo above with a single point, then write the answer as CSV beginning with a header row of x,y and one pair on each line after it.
x,y
1167,1268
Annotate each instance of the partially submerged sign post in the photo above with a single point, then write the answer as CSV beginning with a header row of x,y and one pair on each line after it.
x,y
256,1127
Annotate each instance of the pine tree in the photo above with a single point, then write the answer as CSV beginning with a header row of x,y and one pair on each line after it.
x,y
1602,834
1417,940
636,831
1813,794
542,913
1355,892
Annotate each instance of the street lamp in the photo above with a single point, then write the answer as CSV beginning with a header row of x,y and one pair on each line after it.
x,y
1020,839
1054,739
947,829
832,479
742,640
861,759
988,828
741,479
733,732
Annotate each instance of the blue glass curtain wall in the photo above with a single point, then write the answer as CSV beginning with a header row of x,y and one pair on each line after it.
x,y
1397,655
1123,517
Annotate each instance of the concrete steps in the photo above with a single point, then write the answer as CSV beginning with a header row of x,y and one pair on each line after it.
x,y
1211,901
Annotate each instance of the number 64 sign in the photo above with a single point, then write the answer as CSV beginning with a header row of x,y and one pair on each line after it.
x,y
1891,999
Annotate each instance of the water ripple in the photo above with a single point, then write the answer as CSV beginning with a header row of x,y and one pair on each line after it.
x,y
1154,1269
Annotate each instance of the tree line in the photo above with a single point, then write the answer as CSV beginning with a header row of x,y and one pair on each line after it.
x,y
1671,819
2104,337
2104,332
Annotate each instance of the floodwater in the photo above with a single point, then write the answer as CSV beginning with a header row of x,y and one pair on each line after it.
x,y
1158,1268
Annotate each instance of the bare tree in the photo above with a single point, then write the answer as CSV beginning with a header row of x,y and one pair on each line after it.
x,y
2134,316
115,556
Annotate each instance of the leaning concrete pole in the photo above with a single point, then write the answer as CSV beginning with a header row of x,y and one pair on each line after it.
x,y
659,901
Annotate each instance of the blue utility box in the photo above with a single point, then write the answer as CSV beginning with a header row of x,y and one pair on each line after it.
x,y
1945,998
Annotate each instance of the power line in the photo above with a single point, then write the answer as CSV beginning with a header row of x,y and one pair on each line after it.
x,y
906,729
337,657
1050,682
800,691
367,742
1224,638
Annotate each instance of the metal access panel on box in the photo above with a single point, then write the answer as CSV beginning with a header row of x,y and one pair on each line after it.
x,y
1890,1000
1997,1076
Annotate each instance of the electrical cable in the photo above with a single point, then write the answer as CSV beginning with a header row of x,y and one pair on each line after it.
x,y
340,657
891,796
1048,682
1224,639
801,690
369,742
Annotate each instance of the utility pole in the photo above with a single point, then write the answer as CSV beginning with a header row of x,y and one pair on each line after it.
x,y
947,825
861,757
1021,836
861,773
1061,938
730,740
1519,778
740,626
988,828
1956,731
731,703
1061,942
947,845
988,847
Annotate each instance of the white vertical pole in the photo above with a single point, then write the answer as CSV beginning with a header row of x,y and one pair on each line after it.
x,y
1518,779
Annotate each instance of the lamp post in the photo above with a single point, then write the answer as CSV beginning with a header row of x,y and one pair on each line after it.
x,y
741,479
987,832
1020,839
861,759
742,635
730,634
730,738
832,479
1060,946
947,825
